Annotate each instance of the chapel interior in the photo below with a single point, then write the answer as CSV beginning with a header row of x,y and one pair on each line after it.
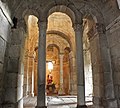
x,y
52,51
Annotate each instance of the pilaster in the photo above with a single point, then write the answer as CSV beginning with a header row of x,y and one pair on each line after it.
x,y
110,100
61,90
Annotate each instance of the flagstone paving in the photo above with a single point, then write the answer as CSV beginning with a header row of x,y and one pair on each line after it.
x,y
53,102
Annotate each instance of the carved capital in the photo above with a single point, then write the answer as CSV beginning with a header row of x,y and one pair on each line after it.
x,y
21,24
100,28
77,27
61,54
42,25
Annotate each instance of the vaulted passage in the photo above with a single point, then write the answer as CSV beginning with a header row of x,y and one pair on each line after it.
x,y
61,76
59,53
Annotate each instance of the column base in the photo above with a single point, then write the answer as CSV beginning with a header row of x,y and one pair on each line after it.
x,y
61,92
41,107
73,93
32,94
111,103
81,106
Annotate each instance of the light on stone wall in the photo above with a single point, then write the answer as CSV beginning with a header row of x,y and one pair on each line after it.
x,y
50,66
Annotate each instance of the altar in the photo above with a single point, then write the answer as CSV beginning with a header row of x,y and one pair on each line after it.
x,y
51,89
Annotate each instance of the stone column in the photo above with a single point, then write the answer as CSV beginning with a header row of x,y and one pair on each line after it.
x,y
35,79
110,100
27,88
41,103
29,75
32,91
80,66
73,76
61,90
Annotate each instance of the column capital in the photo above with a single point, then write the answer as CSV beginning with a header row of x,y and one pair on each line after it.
x,y
42,24
61,53
100,28
20,23
77,26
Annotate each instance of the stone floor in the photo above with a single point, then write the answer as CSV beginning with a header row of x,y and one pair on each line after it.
x,y
53,102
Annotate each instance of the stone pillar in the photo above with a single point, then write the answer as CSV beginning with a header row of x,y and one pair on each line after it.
x,y
32,91
35,79
61,90
41,103
73,76
25,87
110,101
27,90
98,83
80,66
29,75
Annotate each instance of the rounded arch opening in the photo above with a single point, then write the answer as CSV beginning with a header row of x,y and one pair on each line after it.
x,y
64,36
91,52
30,60
61,29
62,9
54,45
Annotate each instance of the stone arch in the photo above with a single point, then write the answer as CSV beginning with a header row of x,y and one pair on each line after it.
x,y
54,46
73,12
25,10
62,35
63,9
68,49
67,7
23,13
89,9
54,37
28,12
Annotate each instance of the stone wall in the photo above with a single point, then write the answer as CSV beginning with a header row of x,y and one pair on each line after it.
x,y
11,65
13,82
113,36
110,10
5,26
98,88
